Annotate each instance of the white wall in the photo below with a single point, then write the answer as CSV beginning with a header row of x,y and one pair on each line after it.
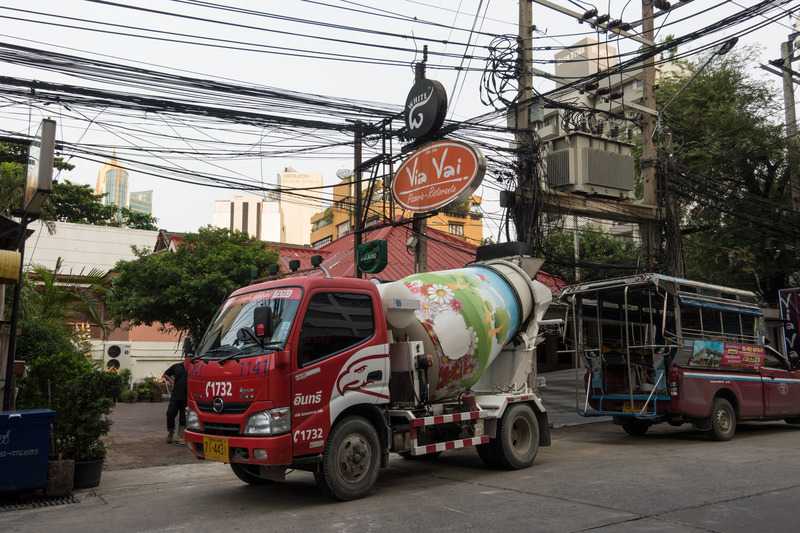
x,y
83,246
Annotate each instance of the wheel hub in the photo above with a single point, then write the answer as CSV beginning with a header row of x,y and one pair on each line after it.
x,y
354,458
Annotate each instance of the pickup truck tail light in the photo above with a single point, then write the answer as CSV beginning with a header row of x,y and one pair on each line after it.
x,y
672,379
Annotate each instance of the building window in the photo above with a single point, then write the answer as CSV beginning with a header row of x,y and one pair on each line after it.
x,y
322,242
343,229
457,229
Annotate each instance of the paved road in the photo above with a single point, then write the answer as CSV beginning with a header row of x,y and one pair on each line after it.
x,y
593,477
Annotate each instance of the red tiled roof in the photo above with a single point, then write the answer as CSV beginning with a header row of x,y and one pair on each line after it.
x,y
445,252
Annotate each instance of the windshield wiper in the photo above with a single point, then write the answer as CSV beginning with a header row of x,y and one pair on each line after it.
x,y
222,349
271,346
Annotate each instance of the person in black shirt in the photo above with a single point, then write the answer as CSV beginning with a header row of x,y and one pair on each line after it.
x,y
179,377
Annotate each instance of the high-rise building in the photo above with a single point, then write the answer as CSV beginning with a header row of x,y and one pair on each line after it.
x,y
141,202
300,205
253,214
112,182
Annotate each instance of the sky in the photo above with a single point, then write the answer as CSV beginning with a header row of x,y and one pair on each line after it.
x,y
358,51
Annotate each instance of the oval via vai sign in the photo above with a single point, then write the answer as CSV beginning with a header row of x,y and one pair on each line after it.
x,y
438,174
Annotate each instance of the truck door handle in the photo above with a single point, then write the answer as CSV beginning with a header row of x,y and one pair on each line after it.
x,y
375,375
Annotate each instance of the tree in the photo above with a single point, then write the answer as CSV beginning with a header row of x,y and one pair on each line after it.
x,y
182,290
731,175
50,302
70,202
601,256
13,159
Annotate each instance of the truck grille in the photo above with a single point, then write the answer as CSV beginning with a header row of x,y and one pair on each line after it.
x,y
230,408
216,428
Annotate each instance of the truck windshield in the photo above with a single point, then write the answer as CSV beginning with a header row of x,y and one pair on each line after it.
x,y
221,341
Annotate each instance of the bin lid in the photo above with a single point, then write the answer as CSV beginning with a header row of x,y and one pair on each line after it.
x,y
28,415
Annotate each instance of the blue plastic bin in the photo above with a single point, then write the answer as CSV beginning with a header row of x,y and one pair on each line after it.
x,y
24,443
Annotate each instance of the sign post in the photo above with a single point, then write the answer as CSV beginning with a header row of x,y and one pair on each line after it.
x,y
38,185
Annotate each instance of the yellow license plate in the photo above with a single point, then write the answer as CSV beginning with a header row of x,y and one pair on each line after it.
x,y
637,407
216,449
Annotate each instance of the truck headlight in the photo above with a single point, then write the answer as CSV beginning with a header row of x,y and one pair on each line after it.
x,y
192,420
269,422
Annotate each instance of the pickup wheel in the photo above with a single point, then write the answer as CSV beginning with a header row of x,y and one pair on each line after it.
x,y
350,460
723,420
635,427
250,474
517,438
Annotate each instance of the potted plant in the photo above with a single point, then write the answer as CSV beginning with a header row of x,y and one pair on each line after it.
x,y
93,394
83,396
148,390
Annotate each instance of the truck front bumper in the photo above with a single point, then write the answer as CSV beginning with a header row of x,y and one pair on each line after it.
x,y
251,450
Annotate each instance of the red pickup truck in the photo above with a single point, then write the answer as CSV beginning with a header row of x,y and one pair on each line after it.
x,y
662,349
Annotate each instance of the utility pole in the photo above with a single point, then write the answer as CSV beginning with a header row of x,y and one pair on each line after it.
x,y
357,194
791,119
675,263
522,207
419,225
649,154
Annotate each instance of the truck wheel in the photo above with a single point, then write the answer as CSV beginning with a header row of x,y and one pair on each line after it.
x,y
635,427
350,460
723,420
517,437
250,474
489,454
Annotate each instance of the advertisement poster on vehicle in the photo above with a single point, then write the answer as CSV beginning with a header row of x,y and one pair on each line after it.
x,y
790,313
713,354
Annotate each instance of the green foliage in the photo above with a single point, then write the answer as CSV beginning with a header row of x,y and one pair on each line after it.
x,y
79,204
43,337
125,375
601,256
82,396
182,290
147,390
732,174
129,396
53,294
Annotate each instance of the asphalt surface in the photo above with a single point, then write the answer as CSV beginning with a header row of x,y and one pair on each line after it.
x,y
137,437
594,477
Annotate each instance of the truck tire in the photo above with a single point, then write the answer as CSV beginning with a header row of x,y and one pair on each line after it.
x,y
249,474
489,454
517,438
635,427
723,420
350,461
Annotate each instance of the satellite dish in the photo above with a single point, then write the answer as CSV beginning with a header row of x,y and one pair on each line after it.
x,y
344,173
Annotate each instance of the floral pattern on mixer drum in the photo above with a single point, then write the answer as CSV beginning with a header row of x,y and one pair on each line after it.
x,y
479,333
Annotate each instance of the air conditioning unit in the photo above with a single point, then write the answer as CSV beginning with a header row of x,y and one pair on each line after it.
x,y
587,164
117,356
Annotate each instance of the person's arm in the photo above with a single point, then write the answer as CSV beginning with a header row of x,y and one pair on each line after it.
x,y
169,375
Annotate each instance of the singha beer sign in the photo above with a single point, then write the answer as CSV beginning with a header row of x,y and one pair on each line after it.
x,y
426,107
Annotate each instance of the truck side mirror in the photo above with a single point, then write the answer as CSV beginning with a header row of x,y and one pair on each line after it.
x,y
262,321
188,348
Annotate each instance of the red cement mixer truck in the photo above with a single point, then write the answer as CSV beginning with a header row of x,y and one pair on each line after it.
x,y
331,375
